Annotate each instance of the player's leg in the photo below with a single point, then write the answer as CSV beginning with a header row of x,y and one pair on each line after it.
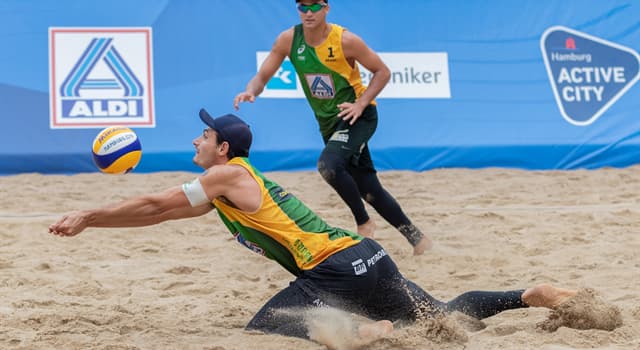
x,y
287,314
387,295
283,313
342,150
483,304
332,166
384,203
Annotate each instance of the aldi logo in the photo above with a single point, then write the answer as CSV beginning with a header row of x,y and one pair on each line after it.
x,y
100,77
320,85
587,74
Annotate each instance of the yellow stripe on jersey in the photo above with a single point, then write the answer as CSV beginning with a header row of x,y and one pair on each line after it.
x,y
330,53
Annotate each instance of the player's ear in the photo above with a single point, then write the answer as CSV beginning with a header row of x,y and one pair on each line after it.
x,y
223,148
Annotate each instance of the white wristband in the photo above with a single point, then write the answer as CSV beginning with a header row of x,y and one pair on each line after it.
x,y
195,193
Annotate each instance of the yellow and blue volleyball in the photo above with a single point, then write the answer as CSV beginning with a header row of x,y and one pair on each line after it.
x,y
116,150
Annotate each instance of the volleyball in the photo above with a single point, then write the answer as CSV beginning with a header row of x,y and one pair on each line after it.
x,y
116,150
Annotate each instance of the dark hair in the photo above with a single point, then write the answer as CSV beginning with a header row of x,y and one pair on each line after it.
x,y
325,1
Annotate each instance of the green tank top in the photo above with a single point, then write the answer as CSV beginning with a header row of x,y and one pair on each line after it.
x,y
326,76
283,228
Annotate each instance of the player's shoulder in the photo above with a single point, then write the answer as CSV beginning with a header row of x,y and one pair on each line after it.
x,y
352,44
287,34
350,37
226,171
284,40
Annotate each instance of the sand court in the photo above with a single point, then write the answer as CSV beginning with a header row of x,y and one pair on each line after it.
x,y
188,285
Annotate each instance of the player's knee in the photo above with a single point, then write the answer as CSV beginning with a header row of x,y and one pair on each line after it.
x,y
283,322
264,322
258,324
329,164
326,172
369,197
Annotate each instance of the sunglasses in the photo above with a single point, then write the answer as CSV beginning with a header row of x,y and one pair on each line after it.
x,y
315,7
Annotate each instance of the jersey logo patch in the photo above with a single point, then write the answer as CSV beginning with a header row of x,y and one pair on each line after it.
x,y
279,195
359,267
321,86
341,136
248,244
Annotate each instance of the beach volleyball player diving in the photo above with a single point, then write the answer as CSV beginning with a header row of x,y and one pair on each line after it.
x,y
331,267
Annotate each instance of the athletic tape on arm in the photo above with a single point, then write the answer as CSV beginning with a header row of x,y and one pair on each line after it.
x,y
195,193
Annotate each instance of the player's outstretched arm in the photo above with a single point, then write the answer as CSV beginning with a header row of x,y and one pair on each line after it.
x,y
138,211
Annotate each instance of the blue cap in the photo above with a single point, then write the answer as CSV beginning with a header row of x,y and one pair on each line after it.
x,y
232,129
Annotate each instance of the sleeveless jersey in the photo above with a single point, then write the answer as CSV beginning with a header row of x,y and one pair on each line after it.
x,y
283,228
326,76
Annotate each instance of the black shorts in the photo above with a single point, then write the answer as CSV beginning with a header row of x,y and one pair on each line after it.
x,y
350,141
362,279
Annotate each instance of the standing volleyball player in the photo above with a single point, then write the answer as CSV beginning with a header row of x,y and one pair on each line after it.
x,y
324,56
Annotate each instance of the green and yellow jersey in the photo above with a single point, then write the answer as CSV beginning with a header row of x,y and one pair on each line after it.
x,y
327,77
283,228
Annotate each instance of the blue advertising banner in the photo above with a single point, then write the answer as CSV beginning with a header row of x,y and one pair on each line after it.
x,y
478,83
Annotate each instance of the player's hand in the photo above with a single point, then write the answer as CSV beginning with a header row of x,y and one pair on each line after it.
x,y
69,225
350,111
243,97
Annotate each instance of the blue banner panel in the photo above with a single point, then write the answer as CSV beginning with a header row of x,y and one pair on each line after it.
x,y
479,83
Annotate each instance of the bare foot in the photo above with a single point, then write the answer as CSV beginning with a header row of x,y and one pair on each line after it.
x,y
370,332
367,229
546,295
424,244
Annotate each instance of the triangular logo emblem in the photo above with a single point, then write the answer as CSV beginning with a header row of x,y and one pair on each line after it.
x,y
101,50
587,74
